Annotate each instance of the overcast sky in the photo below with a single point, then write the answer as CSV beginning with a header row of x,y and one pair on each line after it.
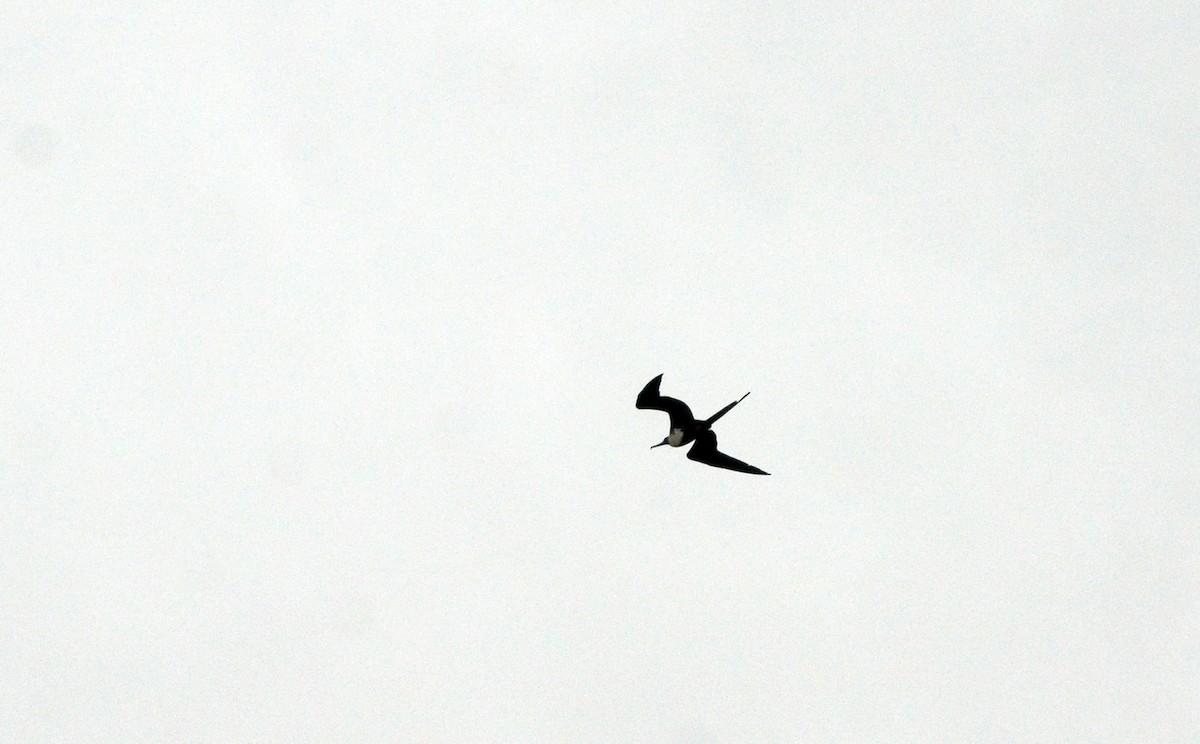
x,y
322,327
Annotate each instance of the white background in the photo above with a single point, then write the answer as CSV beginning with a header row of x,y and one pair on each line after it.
x,y
322,326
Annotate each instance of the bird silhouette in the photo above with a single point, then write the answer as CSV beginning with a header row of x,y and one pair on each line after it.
x,y
685,428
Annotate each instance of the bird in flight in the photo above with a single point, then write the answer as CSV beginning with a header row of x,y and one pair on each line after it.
x,y
685,428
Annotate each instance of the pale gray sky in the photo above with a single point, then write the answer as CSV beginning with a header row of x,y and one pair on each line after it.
x,y
322,326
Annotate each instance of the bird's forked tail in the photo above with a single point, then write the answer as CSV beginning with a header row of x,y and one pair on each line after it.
x,y
713,418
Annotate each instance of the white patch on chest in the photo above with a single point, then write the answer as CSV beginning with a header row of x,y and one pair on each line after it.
x,y
675,439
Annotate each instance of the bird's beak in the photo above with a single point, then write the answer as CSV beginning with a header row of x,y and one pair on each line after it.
x,y
657,445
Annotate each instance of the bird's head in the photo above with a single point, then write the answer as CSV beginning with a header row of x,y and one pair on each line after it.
x,y
666,440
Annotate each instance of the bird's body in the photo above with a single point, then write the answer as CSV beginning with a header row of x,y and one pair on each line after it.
x,y
685,428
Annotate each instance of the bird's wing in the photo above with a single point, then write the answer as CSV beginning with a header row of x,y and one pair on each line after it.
x,y
681,415
705,451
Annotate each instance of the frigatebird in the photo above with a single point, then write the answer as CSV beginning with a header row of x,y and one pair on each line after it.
x,y
685,428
